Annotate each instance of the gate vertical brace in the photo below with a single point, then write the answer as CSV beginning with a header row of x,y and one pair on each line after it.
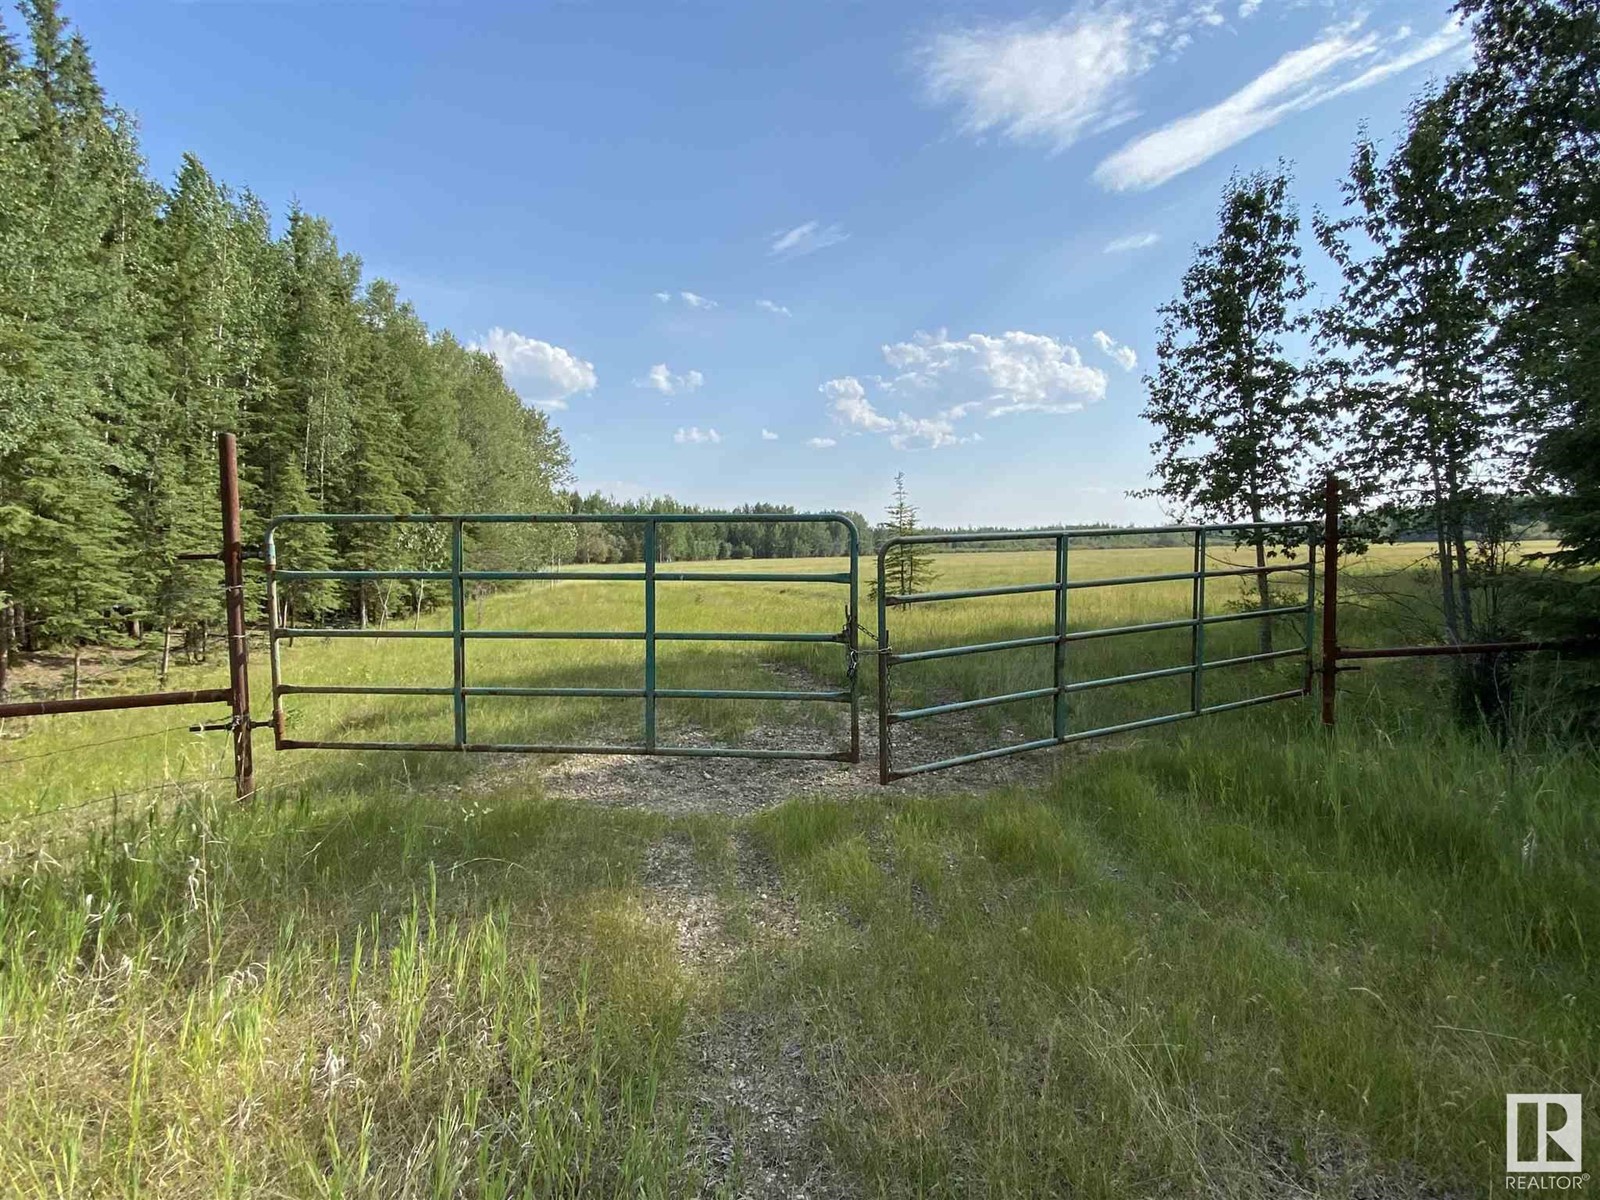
x,y
1330,599
884,773
1197,638
1311,606
650,549
269,557
853,643
458,625
244,775
1059,700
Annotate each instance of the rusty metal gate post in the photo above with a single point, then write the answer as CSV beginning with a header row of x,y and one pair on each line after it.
x,y
244,780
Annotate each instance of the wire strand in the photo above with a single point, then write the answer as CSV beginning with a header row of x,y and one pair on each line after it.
x,y
93,800
132,737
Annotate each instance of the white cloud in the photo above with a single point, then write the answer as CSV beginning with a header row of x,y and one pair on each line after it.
x,y
668,384
952,379
1248,8
1042,83
821,443
1300,80
1011,372
851,406
1132,241
776,309
1122,355
695,436
805,239
692,299
542,374
768,436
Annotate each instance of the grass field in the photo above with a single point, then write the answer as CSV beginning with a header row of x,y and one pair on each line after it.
x,y
1232,957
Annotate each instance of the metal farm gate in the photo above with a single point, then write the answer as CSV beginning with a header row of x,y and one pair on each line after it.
x,y
649,574
1062,637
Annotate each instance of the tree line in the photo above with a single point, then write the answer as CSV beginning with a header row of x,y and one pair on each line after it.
x,y
604,542
1452,379
137,319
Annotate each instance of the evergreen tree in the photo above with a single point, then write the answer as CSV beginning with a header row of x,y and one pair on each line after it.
x,y
906,568
1232,417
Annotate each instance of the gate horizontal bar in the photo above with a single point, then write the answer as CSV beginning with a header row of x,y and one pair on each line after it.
x,y
1122,580
1089,685
723,694
361,575
750,577
590,576
553,635
1124,727
558,519
1253,701
978,756
1184,576
1223,618
330,689
980,648
564,748
360,633
45,708
1232,571
1085,635
552,692
1015,589
934,710
1268,656
1046,535
698,636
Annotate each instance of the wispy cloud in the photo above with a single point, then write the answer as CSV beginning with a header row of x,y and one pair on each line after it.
x,y
768,436
542,374
805,239
692,299
664,381
1123,356
1132,241
695,436
1038,83
1343,60
821,443
776,309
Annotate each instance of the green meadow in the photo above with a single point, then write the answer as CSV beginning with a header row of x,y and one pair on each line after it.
x,y
1237,956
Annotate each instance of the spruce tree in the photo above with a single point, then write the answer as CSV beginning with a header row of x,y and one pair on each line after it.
x,y
907,569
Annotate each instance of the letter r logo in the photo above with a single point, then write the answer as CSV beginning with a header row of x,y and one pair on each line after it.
x,y
1556,1122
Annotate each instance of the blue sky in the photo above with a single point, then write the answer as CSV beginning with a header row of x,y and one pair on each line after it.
x,y
782,251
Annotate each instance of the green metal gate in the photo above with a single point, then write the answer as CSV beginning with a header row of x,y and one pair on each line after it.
x,y
649,573
1062,637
